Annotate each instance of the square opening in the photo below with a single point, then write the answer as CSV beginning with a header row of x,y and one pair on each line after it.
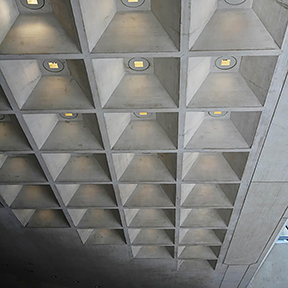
x,y
209,195
4,104
102,236
42,218
245,85
132,167
78,167
153,252
150,218
113,27
74,195
157,131
28,196
121,87
214,167
20,169
235,130
12,138
35,88
144,195
152,236
254,25
50,29
54,132
95,218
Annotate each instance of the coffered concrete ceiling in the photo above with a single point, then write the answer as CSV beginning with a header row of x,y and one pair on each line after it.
x,y
142,146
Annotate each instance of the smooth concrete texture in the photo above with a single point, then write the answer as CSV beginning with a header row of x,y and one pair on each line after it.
x,y
154,218
21,169
153,27
211,29
12,136
208,195
205,218
147,195
37,89
51,131
127,132
273,270
95,218
104,237
274,156
151,236
87,195
4,104
28,196
156,202
120,87
245,85
223,132
202,237
28,32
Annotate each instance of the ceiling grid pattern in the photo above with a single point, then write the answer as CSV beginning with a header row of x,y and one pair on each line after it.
x,y
140,158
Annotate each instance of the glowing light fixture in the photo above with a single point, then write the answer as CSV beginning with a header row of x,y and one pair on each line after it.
x,y
33,4
218,113
225,63
133,3
142,114
53,65
69,115
235,2
139,64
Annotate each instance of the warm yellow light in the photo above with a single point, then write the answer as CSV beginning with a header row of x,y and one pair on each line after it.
x,y
32,2
225,62
143,113
68,114
217,112
53,65
139,64
132,1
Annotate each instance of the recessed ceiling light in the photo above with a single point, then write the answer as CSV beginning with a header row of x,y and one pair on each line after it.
x,y
235,2
69,115
33,4
225,63
2,116
139,64
133,3
142,114
53,65
218,114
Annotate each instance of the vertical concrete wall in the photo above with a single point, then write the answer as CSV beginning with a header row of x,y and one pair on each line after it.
x,y
257,72
198,70
108,74
168,13
201,13
78,72
97,15
8,14
22,76
63,11
168,73
273,16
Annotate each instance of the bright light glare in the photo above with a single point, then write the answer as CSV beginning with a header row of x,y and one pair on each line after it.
x,y
132,1
53,65
32,2
138,64
225,62
143,113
